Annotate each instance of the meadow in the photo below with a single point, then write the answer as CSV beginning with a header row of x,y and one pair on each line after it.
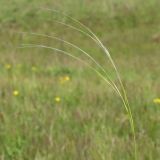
x,y
55,107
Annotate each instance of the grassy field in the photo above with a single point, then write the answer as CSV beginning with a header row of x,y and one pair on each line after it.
x,y
53,107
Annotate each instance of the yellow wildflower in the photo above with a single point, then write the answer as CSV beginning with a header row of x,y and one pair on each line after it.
x,y
57,99
156,100
64,79
8,66
15,93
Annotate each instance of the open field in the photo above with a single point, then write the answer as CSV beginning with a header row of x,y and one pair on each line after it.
x,y
53,107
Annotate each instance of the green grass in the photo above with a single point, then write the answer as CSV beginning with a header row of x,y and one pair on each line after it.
x,y
90,121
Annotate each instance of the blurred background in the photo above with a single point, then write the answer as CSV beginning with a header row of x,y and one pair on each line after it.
x,y
54,106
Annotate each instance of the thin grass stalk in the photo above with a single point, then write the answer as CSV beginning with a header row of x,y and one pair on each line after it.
x,y
78,48
97,40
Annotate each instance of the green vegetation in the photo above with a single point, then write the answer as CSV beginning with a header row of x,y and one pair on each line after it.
x,y
55,107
